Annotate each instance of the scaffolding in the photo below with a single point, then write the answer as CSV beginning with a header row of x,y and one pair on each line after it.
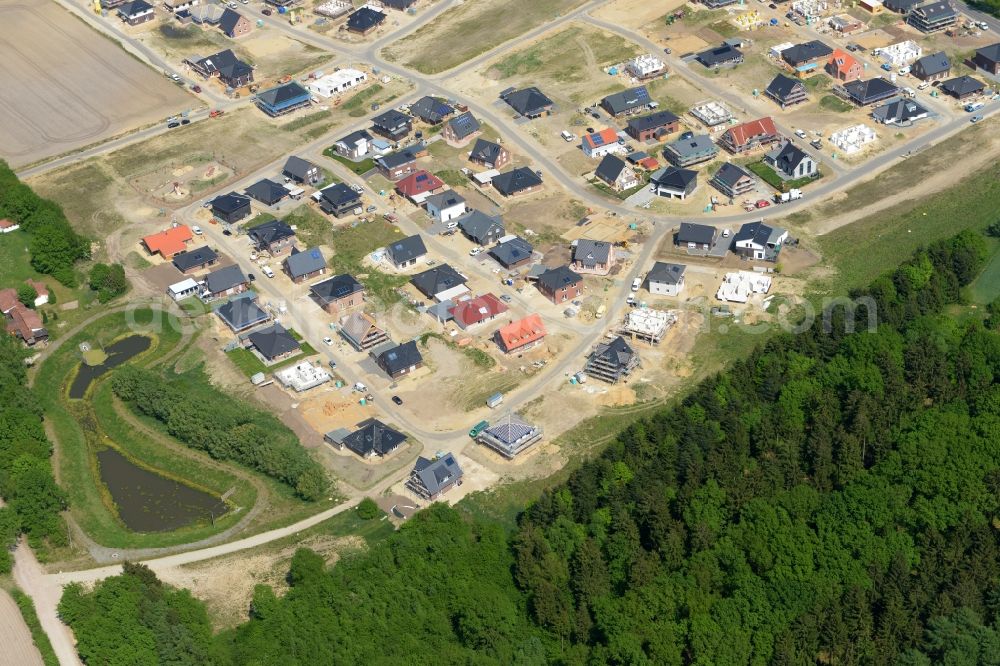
x,y
612,361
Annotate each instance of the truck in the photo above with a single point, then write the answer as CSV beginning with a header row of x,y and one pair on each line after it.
x,y
478,428
973,106
784,197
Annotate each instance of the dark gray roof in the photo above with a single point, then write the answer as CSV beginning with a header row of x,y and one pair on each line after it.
x,y
193,258
758,232
690,232
445,199
391,119
298,167
991,52
273,341
617,352
226,64
899,110
652,121
400,357
936,10
610,168
304,262
241,312
528,101
230,203
374,437
435,280
674,177
788,156
364,19
782,86
696,145
963,85
431,110
730,174
135,7
513,251
627,100
485,151
932,64
719,55
436,474
267,191
283,94
270,232
805,52
515,181
335,288
558,278
870,91
225,278
464,125
396,159
354,137
901,6
339,194
592,251
229,20
407,249
665,273
477,225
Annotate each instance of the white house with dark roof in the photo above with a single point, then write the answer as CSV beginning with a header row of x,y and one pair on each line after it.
x,y
445,206
510,436
756,240
407,251
665,279
672,182
790,161
355,145
301,171
616,174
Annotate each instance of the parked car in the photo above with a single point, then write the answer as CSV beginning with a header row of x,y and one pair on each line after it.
x,y
196,88
976,119
816,143
357,188
725,233
266,11
371,209
185,121
475,252
687,135
215,113
333,364
227,232
799,133
762,203
506,298
328,341
196,230
251,277
173,125
396,399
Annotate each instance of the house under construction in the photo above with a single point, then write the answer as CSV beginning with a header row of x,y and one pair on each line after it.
x,y
647,324
360,331
510,436
611,361
711,113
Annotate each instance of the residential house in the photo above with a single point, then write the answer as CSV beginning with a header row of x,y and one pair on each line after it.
x,y
440,283
136,12
461,129
988,58
267,192
242,312
900,6
720,56
687,152
392,124
26,324
338,293
231,208
963,87
286,98
806,58
733,180
652,127
512,253
594,257
406,251
195,260
8,226
232,71
786,91
932,67
430,479
599,144
518,181
364,20
756,240
510,436
339,200
361,332
521,335
748,136
612,361
431,110
175,6
933,17
488,154
301,171
419,186
528,102
169,242
673,182
399,5
695,236
445,206
226,281
900,111
304,265
665,279
626,103
618,175
791,162
872,91
472,312
355,145
560,284
398,360
183,289
233,24
374,438
480,228
396,165
41,292
206,14
273,237
336,82
273,343
844,67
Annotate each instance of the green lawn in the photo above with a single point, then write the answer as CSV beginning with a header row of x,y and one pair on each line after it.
x,y
249,364
835,104
452,177
357,100
771,177
986,288
310,225
360,168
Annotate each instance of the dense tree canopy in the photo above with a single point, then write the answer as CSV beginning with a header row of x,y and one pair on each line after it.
x,y
108,281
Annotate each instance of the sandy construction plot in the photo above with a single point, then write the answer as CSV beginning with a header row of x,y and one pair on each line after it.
x,y
16,645
64,86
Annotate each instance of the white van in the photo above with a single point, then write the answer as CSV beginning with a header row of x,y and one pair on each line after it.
x,y
266,270
636,283
568,136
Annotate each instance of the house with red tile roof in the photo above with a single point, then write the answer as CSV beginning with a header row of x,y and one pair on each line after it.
x,y
520,335
169,242
750,135
474,311
7,226
26,324
8,300
843,66
419,185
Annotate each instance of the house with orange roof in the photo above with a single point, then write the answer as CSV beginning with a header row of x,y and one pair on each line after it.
x,y
25,323
7,226
419,185
843,66
520,335
8,300
169,242
750,135
599,144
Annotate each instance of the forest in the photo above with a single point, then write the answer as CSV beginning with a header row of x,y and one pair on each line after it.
x,y
833,498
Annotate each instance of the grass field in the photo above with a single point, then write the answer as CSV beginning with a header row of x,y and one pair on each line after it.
x,y
249,364
471,29
835,104
310,225
559,57
360,168
986,288
352,243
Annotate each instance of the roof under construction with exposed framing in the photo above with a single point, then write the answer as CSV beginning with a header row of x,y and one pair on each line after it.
x,y
510,435
611,361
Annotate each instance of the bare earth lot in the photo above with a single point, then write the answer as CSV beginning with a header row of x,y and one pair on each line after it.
x,y
16,645
65,87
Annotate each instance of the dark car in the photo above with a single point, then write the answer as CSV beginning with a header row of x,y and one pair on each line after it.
x,y
227,232
173,125
333,365
185,122
396,399
595,115
251,277
687,135
265,11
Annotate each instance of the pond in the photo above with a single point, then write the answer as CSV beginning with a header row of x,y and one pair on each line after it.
x,y
117,354
148,502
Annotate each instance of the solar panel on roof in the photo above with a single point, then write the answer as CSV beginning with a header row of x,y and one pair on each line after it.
x,y
597,139
421,177
315,254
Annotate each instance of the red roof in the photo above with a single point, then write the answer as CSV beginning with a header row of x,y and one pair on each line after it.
x,y
8,300
742,134
39,287
603,138
522,332
475,310
7,224
24,322
649,163
168,242
420,182
843,61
